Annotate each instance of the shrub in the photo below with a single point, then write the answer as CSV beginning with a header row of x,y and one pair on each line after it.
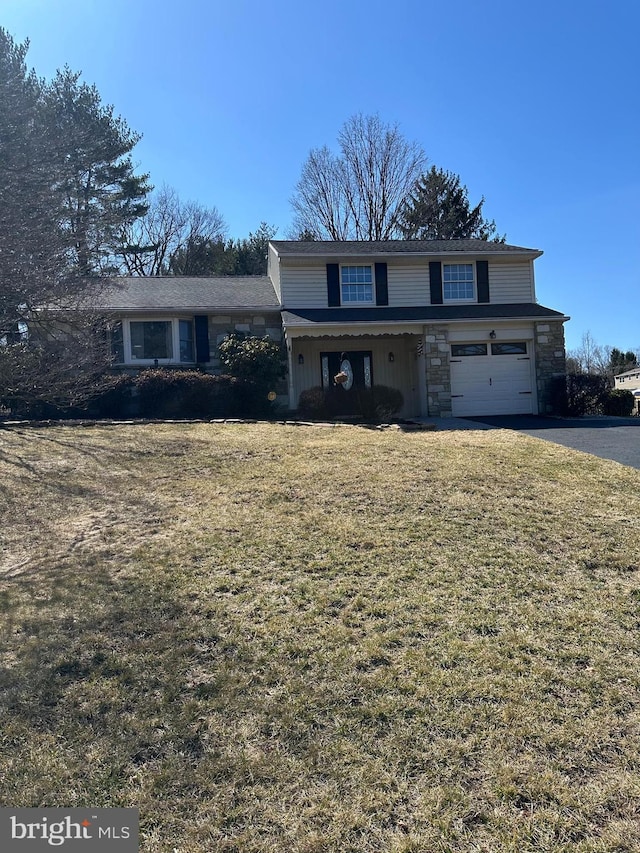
x,y
589,394
312,403
108,397
114,399
252,359
163,393
258,364
585,394
558,395
379,403
618,402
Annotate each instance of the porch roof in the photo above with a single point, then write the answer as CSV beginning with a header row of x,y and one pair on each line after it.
x,y
310,317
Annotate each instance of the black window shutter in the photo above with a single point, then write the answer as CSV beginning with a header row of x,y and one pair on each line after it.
x,y
202,338
382,289
482,272
333,285
435,280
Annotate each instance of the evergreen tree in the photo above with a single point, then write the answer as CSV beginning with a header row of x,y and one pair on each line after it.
x,y
100,190
49,350
620,362
251,252
438,209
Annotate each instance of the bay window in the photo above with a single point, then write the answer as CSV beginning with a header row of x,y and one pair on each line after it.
x,y
162,341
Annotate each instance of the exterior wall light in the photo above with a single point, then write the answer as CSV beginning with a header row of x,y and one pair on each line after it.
x,y
392,357
492,334
300,359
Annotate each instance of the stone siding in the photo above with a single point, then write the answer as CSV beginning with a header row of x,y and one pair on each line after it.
x,y
550,362
438,371
260,325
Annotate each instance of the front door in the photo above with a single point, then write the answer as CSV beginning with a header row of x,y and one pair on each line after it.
x,y
344,374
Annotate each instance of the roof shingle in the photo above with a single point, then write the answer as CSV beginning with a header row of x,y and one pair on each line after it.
x,y
323,248
418,314
154,293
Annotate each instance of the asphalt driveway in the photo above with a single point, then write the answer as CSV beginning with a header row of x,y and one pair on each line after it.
x,y
609,438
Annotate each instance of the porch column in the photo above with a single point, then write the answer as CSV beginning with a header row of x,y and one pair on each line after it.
x,y
289,345
422,378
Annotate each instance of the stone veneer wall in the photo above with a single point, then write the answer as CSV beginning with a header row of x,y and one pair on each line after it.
x,y
550,361
260,325
438,371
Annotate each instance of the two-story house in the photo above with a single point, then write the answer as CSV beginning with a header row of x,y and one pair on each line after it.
x,y
630,381
454,325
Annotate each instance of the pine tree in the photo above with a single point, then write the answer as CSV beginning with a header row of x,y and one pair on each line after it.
x,y
101,192
438,209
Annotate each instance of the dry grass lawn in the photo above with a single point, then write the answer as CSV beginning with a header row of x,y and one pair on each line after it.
x,y
303,639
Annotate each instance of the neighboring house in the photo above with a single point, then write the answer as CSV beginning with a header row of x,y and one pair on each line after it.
x,y
630,381
452,324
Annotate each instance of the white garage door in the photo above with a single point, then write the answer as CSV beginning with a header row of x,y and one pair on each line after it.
x,y
491,379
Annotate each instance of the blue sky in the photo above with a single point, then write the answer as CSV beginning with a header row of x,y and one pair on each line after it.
x,y
534,104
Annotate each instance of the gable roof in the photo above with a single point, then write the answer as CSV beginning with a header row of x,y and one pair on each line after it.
x,y
632,372
356,248
205,293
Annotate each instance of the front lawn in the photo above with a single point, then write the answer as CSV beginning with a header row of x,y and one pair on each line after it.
x,y
322,640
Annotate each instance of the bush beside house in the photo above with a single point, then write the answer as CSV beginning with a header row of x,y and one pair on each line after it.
x,y
376,404
589,394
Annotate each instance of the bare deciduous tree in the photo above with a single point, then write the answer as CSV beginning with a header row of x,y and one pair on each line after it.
x,y
170,227
358,194
589,357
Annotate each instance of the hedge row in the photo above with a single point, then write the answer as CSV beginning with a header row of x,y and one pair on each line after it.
x,y
588,394
163,393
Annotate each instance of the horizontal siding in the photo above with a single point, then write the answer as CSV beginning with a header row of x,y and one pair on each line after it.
x,y
408,284
402,373
273,270
305,286
511,282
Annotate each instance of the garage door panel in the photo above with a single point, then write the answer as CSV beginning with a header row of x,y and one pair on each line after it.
x,y
491,385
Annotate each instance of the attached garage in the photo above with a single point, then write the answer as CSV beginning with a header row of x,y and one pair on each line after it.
x,y
493,378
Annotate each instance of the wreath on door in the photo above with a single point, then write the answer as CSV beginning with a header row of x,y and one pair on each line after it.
x,y
345,376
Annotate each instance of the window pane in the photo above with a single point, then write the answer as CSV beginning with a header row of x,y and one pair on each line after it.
x,y
458,281
468,349
117,343
356,275
357,293
186,340
151,340
517,348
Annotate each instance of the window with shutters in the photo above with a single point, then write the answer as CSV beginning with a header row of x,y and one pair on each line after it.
x,y
458,283
356,284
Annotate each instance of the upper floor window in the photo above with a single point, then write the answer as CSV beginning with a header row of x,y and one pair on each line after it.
x,y
458,281
148,341
356,284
